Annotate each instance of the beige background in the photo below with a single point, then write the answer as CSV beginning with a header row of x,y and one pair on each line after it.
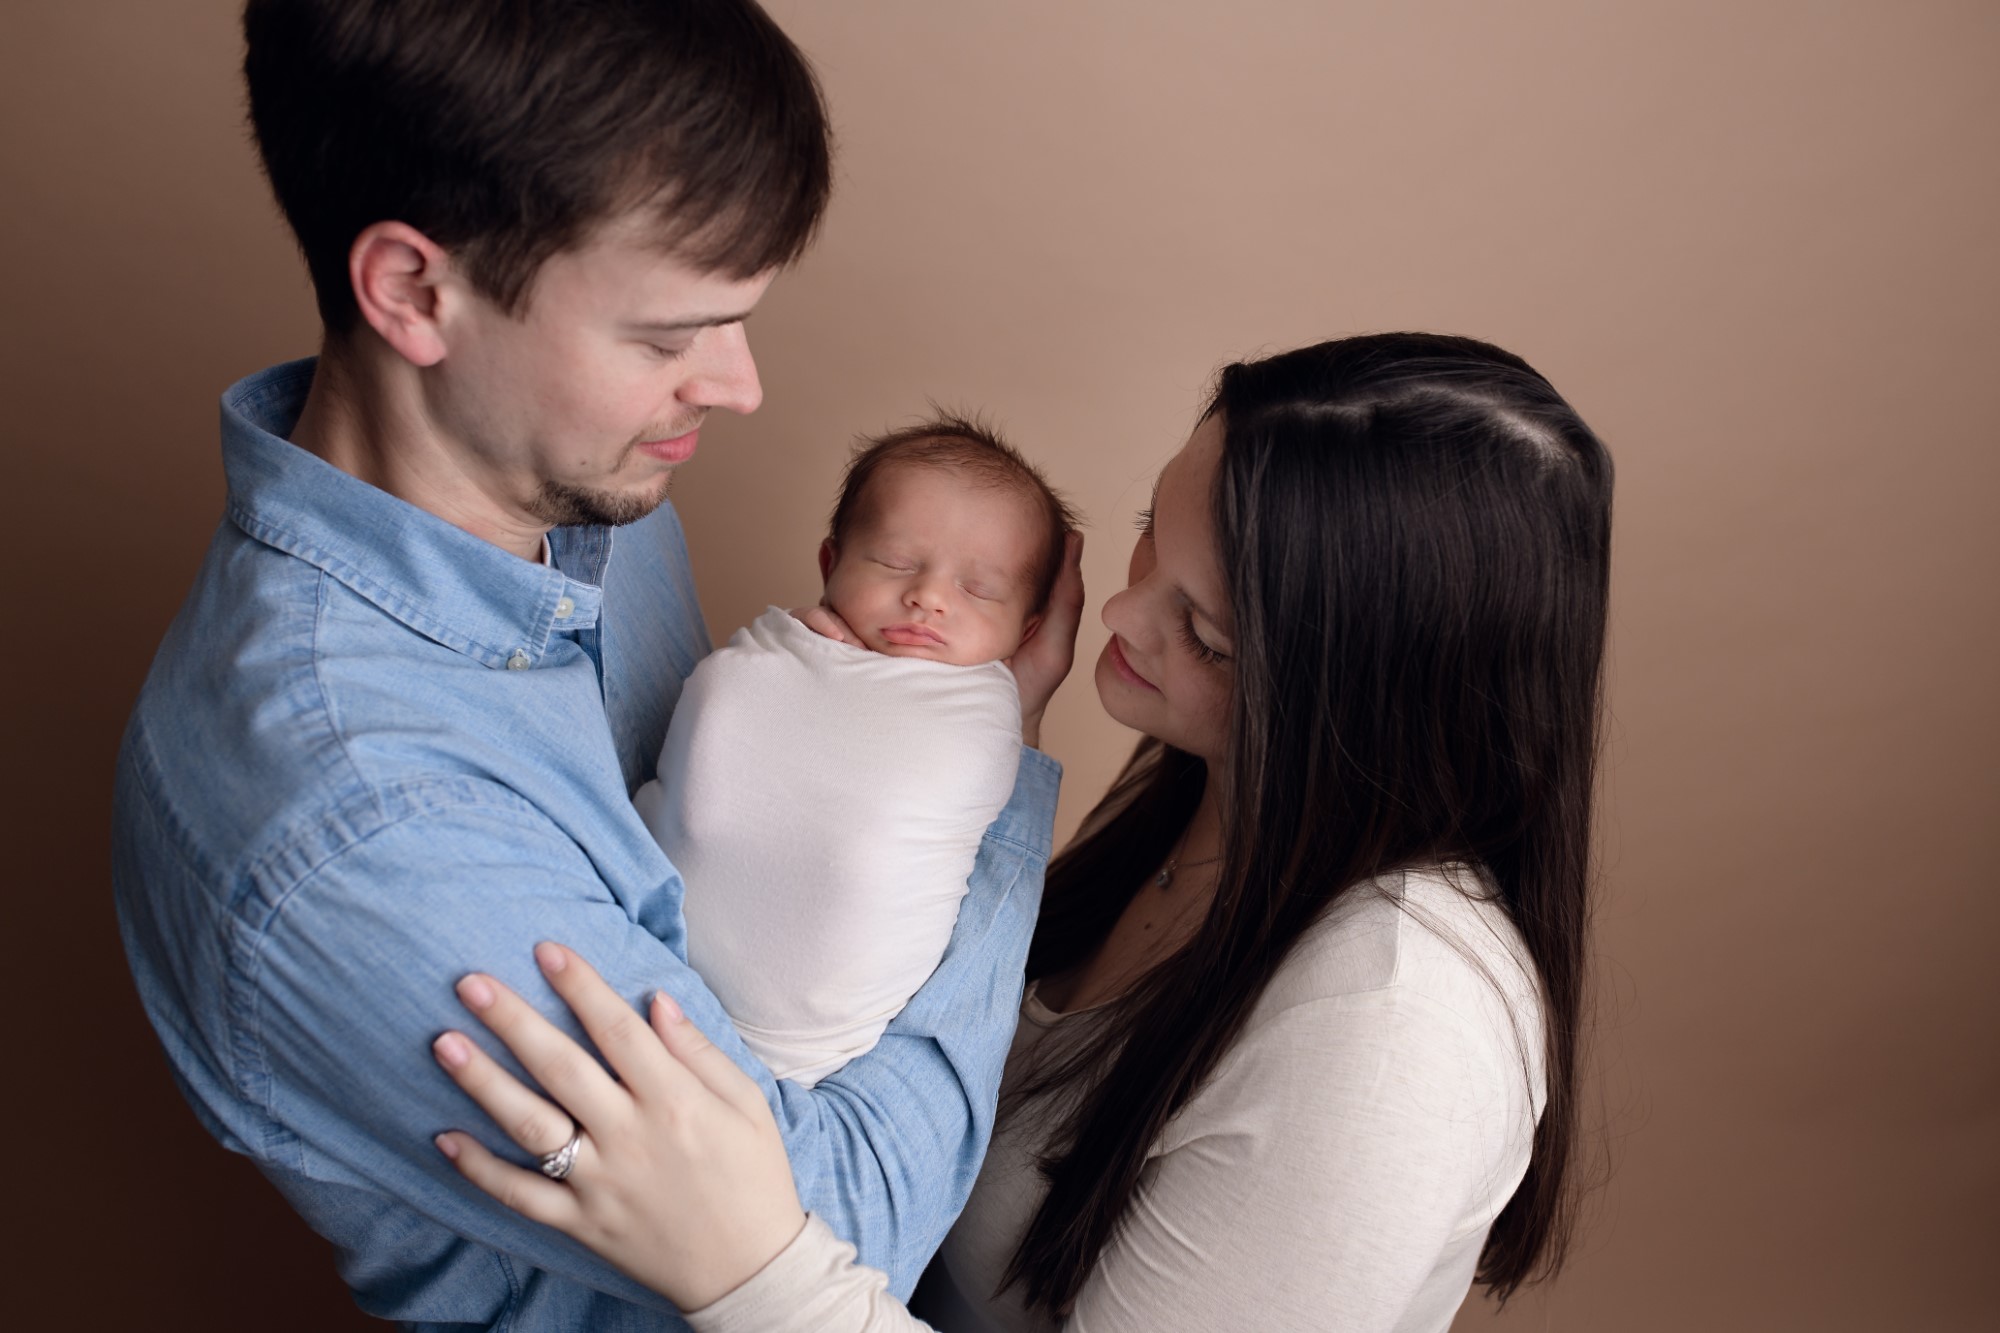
x,y
1754,242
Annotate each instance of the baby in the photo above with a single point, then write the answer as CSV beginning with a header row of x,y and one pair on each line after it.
x,y
823,791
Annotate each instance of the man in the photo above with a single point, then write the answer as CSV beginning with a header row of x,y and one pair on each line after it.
x,y
391,737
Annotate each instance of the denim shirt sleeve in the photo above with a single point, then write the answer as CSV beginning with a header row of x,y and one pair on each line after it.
x,y
350,979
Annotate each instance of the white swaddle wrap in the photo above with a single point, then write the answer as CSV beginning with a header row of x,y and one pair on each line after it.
x,y
824,805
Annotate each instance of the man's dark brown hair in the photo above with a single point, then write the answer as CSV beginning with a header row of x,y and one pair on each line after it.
x,y
973,449
504,130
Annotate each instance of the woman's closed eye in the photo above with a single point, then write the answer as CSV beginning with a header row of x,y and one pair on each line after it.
x,y
1143,521
1194,644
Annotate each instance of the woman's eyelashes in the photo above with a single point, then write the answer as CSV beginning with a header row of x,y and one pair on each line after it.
x,y
1192,641
1143,521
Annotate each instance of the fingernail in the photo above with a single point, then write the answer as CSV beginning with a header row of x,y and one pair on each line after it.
x,y
451,1050
476,993
447,1145
668,1009
550,957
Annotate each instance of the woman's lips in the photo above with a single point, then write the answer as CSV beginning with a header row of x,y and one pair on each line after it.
x,y
1124,668
913,636
677,450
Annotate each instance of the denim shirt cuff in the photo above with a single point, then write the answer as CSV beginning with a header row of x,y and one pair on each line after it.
x,y
1028,822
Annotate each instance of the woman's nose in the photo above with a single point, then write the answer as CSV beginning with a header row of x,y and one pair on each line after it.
x,y
1120,615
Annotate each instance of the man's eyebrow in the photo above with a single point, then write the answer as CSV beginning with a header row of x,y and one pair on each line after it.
x,y
683,325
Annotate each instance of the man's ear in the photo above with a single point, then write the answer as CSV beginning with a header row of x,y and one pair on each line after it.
x,y
828,553
399,276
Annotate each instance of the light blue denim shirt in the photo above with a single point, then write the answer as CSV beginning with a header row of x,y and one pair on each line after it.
x,y
375,753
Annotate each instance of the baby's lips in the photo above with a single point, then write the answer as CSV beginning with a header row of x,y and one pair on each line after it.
x,y
913,636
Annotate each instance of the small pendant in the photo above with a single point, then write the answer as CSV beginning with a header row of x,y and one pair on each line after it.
x,y
1165,877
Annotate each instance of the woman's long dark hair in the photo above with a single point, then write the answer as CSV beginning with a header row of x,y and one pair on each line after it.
x,y
1416,532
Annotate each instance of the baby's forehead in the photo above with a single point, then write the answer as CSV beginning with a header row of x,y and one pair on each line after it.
x,y
1002,499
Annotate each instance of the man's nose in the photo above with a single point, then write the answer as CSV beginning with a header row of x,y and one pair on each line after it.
x,y
727,375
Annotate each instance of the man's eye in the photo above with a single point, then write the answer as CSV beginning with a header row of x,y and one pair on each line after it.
x,y
661,353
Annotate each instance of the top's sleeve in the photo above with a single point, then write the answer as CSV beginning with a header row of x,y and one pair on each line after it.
x,y
1313,1185
813,1285
338,994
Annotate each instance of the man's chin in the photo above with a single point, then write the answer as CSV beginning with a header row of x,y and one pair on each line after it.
x,y
561,505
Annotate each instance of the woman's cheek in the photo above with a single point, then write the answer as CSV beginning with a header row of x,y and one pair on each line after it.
x,y
1212,716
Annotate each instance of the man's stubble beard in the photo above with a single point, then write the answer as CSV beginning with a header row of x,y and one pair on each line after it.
x,y
561,505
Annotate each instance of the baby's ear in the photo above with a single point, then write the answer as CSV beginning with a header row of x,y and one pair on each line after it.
x,y
1029,626
828,553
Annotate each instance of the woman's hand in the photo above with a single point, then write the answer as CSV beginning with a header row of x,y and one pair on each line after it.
x,y
1044,657
680,1178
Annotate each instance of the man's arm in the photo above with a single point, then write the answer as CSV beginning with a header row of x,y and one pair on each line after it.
x,y
346,983
930,1085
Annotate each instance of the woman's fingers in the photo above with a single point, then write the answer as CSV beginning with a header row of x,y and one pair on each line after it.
x,y
1041,662
528,1193
701,1057
689,1190
565,1070
529,1120
622,1036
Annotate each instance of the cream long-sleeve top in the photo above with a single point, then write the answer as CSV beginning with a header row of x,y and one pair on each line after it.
x,y
1340,1169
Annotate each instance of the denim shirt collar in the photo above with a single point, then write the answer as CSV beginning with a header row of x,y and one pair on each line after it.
x,y
440,580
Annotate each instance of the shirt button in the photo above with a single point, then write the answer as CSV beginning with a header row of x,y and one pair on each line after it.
x,y
519,661
563,608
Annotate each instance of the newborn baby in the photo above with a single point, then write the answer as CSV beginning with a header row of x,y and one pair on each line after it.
x,y
824,793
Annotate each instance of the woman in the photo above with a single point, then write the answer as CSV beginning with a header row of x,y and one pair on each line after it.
x,y
1299,1049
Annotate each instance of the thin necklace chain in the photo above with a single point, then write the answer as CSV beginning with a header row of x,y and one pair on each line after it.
x,y
1165,878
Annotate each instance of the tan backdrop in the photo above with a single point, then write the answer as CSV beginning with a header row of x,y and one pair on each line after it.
x,y
1755,243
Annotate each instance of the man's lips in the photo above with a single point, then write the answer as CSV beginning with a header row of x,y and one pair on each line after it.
x,y
1124,668
677,450
913,636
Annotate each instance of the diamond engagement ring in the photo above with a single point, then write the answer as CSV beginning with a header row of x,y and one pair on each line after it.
x,y
556,1165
